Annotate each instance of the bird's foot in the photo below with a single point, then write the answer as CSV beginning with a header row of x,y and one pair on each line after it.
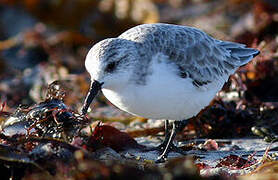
x,y
162,148
171,148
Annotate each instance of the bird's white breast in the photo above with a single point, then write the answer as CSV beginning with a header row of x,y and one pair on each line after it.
x,y
165,95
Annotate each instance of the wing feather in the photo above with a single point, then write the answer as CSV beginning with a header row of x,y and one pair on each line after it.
x,y
194,52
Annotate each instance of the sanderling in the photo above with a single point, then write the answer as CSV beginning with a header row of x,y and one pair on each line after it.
x,y
163,71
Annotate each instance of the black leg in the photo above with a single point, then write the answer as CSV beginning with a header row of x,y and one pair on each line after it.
x,y
162,146
166,124
181,124
167,136
169,146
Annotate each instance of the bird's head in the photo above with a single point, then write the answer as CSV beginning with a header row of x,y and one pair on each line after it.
x,y
110,63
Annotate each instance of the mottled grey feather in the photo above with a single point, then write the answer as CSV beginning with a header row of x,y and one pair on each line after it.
x,y
194,52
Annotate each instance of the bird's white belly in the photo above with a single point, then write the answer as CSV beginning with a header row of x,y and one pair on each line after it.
x,y
165,95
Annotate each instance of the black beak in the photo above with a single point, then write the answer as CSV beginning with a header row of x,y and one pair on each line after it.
x,y
94,89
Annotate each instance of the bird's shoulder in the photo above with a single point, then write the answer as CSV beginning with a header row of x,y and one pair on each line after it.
x,y
196,54
163,32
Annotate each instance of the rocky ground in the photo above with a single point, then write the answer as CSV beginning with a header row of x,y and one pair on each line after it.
x,y
43,83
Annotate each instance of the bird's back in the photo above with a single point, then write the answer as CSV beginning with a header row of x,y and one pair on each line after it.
x,y
197,55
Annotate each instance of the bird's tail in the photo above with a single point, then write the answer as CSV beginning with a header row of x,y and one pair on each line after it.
x,y
240,55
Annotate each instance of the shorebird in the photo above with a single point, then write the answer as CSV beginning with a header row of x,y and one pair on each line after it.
x,y
163,71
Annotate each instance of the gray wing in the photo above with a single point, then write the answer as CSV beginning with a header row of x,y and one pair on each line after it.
x,y
196,54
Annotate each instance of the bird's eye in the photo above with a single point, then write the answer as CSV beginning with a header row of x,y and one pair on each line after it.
x,y
111,67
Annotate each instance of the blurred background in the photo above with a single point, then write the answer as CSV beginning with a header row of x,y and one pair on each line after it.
x,y
46,40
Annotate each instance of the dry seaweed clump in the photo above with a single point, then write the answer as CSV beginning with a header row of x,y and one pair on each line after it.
x,y
40,135
50,118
